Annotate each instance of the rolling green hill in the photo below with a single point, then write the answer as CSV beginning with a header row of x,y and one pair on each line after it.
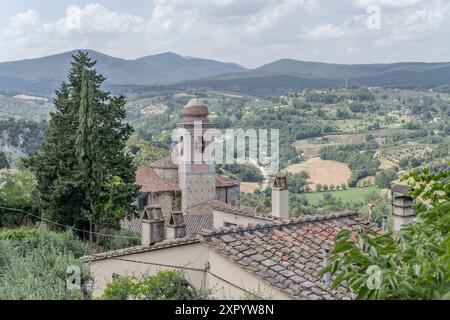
x,y
288,74
44,74
168,70
342,71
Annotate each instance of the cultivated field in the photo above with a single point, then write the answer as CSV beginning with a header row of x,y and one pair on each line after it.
x,y
390,156
323,171
358,138
249,187
309,149
345,195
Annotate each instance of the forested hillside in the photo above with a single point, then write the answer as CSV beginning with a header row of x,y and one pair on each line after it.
x,y
166,70
19,138
43,75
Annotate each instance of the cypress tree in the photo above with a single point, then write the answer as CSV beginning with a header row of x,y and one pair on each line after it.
x,y
90,161
84,176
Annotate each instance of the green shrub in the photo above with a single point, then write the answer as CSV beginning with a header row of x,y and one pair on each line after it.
x,y
165,285
17,190
34,265
19,234
413,264
121,288
122,239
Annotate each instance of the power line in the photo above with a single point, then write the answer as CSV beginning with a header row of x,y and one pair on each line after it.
x,y
161,265
65,226
190,269
234,285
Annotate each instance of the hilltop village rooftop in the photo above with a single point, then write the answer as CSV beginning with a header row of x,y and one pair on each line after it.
x,y
191,220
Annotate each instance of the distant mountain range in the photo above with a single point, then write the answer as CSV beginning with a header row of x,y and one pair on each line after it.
x,y
288,74
43,75
161,69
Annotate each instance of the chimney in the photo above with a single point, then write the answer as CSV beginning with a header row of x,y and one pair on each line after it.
x,y
176,227
403,212
280,197
384,223
370,208
152,228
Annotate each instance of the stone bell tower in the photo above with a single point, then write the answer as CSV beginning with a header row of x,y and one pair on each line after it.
x,y
196,171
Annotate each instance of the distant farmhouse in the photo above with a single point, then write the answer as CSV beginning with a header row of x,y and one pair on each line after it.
x,y
191,220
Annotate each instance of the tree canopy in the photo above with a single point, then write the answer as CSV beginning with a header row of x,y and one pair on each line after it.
x,y
413,264
83,172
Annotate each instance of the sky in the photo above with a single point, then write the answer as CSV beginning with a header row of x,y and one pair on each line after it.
x,y
248,32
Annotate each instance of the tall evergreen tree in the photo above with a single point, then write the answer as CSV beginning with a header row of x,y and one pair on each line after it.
x,y
82,171
90,160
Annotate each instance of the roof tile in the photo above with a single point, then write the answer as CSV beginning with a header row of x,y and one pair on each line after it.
x,y
289,254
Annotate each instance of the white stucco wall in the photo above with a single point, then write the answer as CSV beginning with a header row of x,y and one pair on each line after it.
x,y
238,281
222,217
280,203
191,255
196,256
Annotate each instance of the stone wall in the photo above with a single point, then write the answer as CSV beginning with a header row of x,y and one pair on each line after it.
x,y
164,199
197,188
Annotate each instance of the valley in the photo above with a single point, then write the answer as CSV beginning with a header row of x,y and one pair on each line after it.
x,y
338,137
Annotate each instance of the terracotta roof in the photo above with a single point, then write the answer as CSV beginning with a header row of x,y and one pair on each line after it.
x,y
209,206
203,208
149,181
287,255
133,224
242,210
139,249
224,181
165,163
194,223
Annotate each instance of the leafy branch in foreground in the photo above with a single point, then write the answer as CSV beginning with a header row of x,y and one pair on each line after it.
x,y
413,264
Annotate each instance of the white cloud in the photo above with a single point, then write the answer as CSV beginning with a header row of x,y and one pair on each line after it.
x,y
247,32
22,22
276,12
412,24
95,18
325,32
386,3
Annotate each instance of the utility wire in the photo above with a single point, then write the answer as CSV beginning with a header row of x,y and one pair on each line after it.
x,y
161,265
67,227
190,269
234,285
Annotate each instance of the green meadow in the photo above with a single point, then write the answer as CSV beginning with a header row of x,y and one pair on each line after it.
x,y
344,195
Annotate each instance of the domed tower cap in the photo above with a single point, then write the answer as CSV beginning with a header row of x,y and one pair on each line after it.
x,y
195,110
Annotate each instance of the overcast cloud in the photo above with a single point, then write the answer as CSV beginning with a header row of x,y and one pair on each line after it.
x,y
249,32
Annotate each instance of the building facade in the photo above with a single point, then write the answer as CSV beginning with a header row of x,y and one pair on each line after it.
x,y
183,184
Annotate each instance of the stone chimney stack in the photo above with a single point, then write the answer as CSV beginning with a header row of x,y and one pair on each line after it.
x,y
384,223
402,207
280,197
152,228
370,208
403,212
176,227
